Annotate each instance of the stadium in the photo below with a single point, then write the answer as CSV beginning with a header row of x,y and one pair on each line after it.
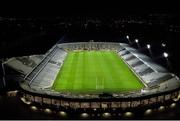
x,y
94,64
88,76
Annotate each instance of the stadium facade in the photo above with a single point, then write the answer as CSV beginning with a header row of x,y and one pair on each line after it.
x,y
35,75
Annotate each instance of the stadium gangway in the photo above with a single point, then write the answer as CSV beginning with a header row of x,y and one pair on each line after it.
x,y
124,52
137,63
47,59
40,62
146,71
40,65
161,79
54,52
130,58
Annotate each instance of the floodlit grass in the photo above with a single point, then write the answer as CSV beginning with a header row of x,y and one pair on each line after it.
x,y
95,72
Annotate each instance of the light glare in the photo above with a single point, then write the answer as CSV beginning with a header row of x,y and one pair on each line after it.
x,y
165,54
163,45
148,46
136,40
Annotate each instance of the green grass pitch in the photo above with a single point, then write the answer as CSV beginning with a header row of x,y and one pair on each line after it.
x,y
95,72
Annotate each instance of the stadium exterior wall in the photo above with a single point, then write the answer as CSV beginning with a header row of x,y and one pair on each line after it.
x,y
101,102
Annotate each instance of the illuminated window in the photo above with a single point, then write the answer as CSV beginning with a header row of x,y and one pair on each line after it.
x,y
115,104
152,100
64,103
95,105
144,102
55,102
85,105
160,98
135,103
105,105
74,105
30,98
46,101
38,99
174,95
167,97
124,104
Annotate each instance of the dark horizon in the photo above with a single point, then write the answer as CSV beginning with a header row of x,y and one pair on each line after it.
x,y
70,8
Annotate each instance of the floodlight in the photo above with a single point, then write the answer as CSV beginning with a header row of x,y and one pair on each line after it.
x,y
148,111
62,113
47,110
148,46
128,114
136,40
127,37
84,115
173,105
34,108
163,45
106,114
165,54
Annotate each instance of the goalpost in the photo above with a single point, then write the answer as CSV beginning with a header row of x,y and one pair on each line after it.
x,y
99,83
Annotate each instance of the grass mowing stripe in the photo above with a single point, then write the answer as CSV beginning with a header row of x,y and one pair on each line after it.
x,y
78,74
66,69
113,76
132,80
84,71
99,73
115,66
104,73
90,72
58,84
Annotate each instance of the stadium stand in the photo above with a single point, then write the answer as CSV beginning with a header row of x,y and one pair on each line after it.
x,y
159,80
146,71
124,52
130,58
137,63
41,77
39,66
48,70
24,64
139,68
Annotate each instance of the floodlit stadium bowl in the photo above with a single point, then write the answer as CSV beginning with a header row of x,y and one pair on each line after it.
x,y
92,75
